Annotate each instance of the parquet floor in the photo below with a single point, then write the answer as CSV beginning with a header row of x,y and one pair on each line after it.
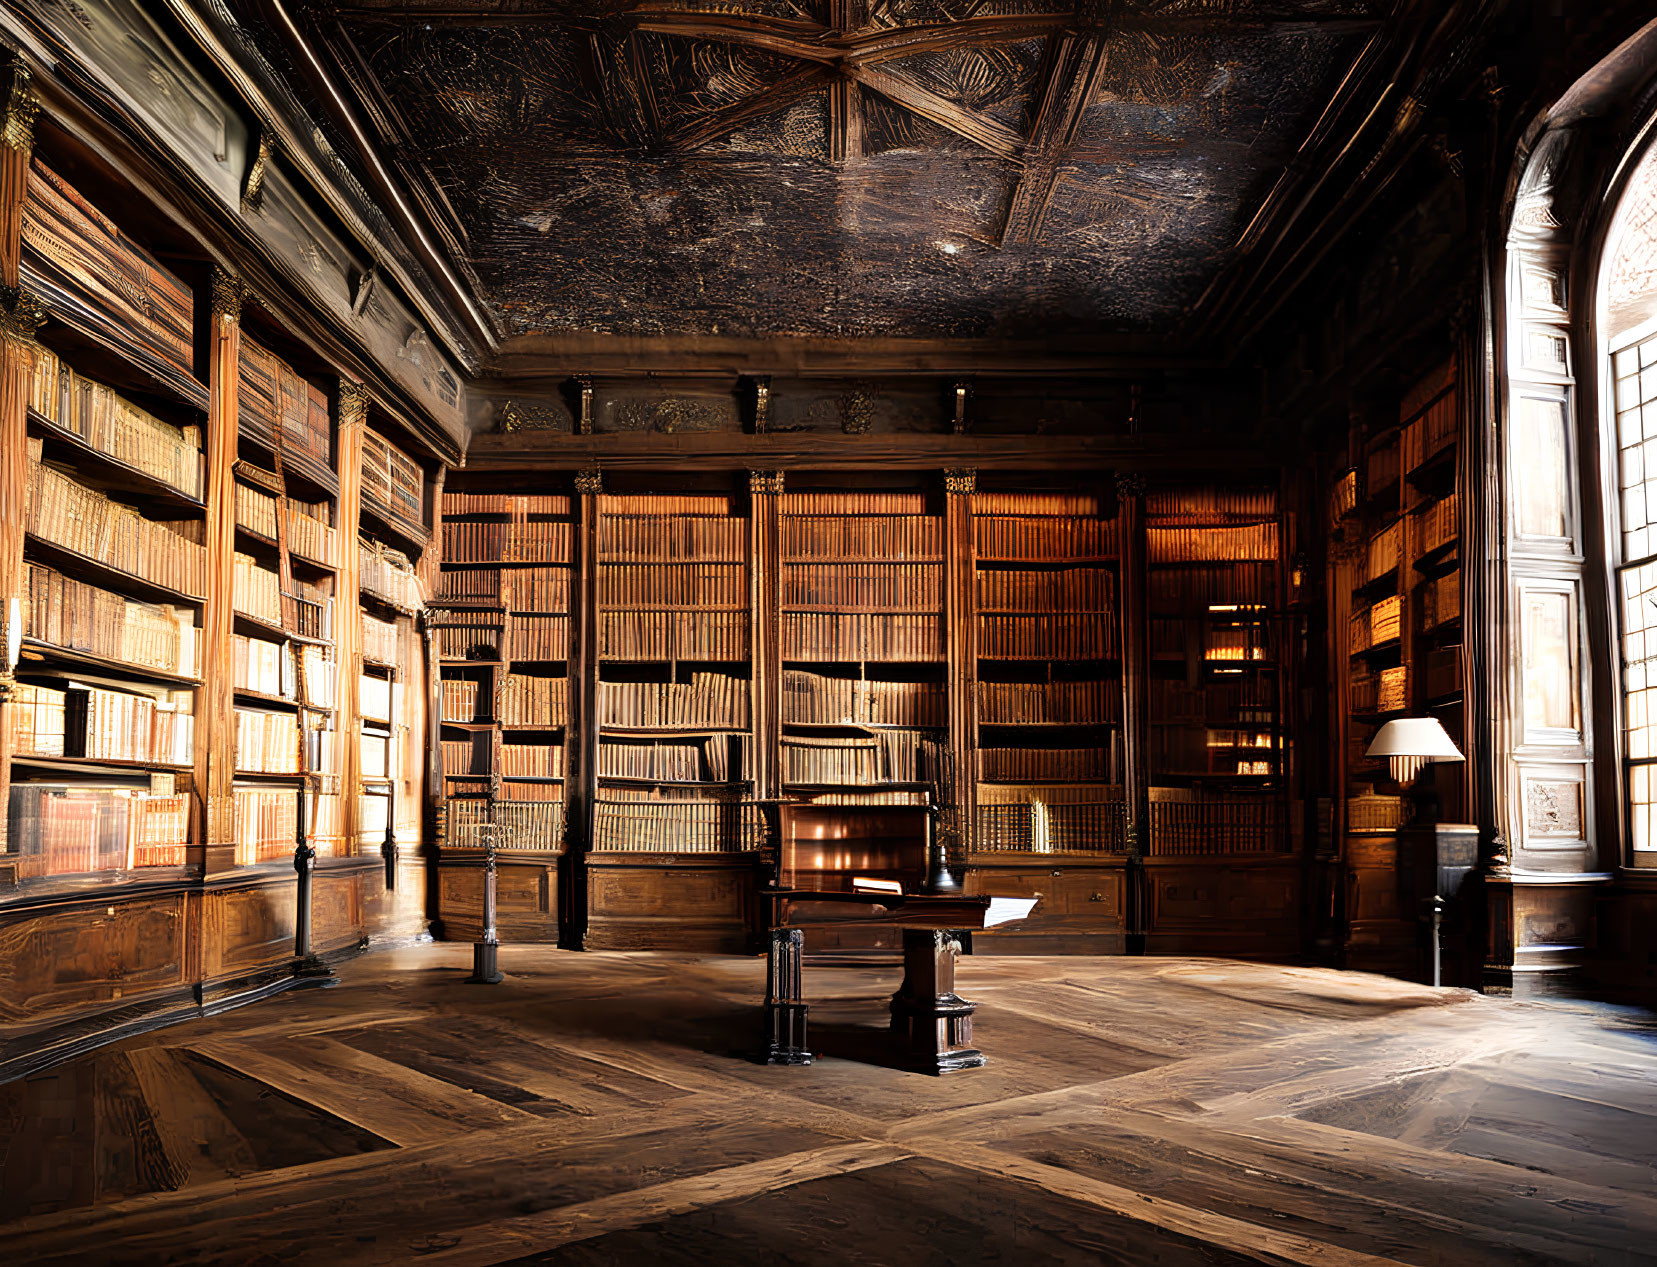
x,y
594,1109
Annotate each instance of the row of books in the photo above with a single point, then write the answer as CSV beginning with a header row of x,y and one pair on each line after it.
x,y
1058,505
1381,467
379,640
1085,589
529,699
1384,551
267,743
678,761
676,826
87,523
115,426
122,283
897,538
535,638
1248,699
387,575
819,699
536,826
1060,637
1211,544
517,505
673,635
623,585
1036,765
102,725
1440,600
1236,642
1379,692
265,823
376,751
1035,538
521,637
708,699
257,590
282,408
1436,526
888,756
862,636
1069,703
1189,750
665,538
532,761
835,504
1187,589
1211,504
80,617
76,827
1432,431
863,586
531,541
528,589
1379,624
309,536
392,479
1039,826
658,505
1187,824
1048,793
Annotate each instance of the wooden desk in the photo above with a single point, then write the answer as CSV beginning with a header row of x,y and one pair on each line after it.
x,y
931,1024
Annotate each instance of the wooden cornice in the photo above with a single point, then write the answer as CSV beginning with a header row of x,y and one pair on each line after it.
x,y
803,451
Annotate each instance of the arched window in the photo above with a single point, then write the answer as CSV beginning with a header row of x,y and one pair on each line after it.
x,y
1628,322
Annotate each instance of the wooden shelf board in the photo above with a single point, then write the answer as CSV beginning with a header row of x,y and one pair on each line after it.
x,y
142,484
125,583
663,732
299,465
843,560
50,650
407,530
79,764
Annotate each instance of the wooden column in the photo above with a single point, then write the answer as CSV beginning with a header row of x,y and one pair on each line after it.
x,y
765,640
351,419
1135,629
581,777
961,649
20,317
215,755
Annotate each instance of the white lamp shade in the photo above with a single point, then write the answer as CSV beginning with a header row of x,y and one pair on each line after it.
x,y
1419,737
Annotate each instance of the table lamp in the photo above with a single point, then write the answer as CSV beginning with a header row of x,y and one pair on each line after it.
x,y
1410,744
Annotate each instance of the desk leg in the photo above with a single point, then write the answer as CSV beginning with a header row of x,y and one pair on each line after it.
x,y
785,1005
931,1024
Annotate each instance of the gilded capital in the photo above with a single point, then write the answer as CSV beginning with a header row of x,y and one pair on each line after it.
x,y
961,479
229,294
589,481
353,403
765,481
21,314
1130,484
17,127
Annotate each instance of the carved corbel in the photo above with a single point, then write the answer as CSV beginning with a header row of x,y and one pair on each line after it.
x,y
762,403
1129,484
589,481
765,482
961,479
584,404
253,187
960,392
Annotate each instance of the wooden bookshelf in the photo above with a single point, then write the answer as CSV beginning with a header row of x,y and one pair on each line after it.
x,y
1397,572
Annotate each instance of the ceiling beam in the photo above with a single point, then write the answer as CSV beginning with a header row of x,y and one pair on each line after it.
x,y
787,37
1074,67
622,81
873,47
981,130
845,97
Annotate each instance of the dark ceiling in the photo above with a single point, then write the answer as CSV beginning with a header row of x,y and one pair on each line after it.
x,y
908,168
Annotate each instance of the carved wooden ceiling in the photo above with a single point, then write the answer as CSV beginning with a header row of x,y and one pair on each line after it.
x,y
913,168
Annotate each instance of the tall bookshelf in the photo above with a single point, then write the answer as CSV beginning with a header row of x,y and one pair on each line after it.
x,y
285,600
1049,674
501,618
1395,512
112,575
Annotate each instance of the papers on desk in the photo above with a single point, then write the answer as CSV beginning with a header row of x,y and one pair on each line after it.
x,y
868,884
1004,910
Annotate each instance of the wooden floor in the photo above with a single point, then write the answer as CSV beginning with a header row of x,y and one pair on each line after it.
x,y
595,1109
